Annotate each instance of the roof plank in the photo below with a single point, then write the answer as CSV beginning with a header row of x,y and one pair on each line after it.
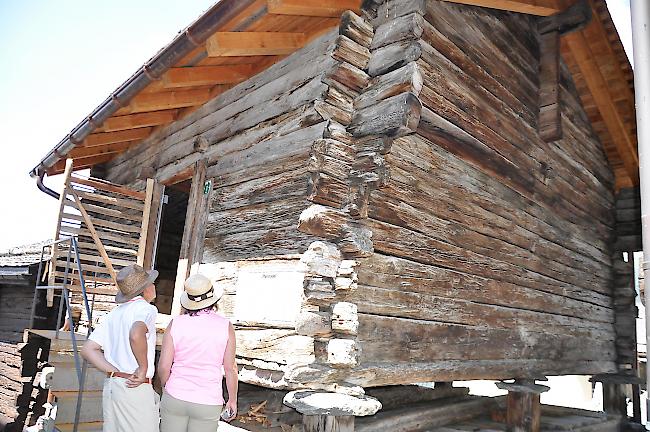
x,y
102,138
134,121
235,44
82,152
206,75
531,7
322,8
166,100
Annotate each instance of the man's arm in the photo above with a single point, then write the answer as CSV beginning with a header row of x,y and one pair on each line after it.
x,y
92,352
230,371
138,341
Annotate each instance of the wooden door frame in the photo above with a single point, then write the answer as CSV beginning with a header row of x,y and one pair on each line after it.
x,y
196,218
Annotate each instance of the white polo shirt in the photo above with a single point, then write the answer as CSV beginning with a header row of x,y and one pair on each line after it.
x,y
113,334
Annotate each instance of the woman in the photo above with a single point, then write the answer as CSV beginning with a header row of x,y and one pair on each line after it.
x,y
196,347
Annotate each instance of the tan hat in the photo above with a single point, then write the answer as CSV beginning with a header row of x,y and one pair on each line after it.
x,y
132,280
199,293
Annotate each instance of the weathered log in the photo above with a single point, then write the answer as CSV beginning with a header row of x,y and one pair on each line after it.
x,y
388,272
395,116
356,28
350,76
392,9
408,27
394,56
407,79
392,397
347,50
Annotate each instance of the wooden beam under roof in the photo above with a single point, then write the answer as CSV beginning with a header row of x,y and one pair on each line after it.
x,y
599,89
321,8
81,163
166,100
102,138
206,75
235,44
83,152
135,121
531,7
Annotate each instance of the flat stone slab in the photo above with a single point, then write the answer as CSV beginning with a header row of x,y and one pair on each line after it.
x,y
309,402
523,388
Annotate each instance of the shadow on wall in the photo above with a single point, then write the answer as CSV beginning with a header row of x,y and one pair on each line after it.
x,y
30,401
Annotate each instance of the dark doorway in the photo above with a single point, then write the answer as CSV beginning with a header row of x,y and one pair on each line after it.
x,y
170,237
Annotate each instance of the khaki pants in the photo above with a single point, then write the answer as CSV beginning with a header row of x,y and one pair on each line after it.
x,y
129,409
179,416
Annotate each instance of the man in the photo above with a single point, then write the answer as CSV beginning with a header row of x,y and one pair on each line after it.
x,y
123,346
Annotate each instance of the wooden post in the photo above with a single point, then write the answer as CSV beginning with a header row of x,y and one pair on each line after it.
x,y
194,231
52,278
523,407
326,423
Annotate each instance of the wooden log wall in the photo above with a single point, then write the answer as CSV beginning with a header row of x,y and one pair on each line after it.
x,y
493,251
491,245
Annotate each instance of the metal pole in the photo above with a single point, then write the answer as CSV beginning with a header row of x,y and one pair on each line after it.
x,y
640,11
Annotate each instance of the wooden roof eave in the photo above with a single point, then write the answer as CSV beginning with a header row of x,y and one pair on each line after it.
x,y
183,44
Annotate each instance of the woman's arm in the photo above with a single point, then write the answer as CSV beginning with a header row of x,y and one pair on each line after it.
x,y
230,371
166,356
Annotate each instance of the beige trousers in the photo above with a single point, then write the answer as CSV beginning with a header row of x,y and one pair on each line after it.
x,y
180,416
130,409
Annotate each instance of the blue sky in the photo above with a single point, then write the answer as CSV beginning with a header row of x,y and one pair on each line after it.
x,y
60,59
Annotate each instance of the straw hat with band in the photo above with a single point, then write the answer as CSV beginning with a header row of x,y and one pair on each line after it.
x,y
199,293
132,281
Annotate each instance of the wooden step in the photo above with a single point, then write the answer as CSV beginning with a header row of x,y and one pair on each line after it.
x,y
65,378
91,407
83,427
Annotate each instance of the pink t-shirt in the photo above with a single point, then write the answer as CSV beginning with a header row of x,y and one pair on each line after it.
x,y
199,347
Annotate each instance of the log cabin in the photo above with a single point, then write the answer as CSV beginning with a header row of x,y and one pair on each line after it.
x,y
390,193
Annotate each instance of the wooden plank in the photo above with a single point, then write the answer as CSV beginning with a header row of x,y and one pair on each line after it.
x,y
134,121
103,235
110,248
98,139
121,202
108,187
93,233
97,258
103,223
113,213
87,269
107,149
532,7
154,225
166,100
80,163
322,8
57,233
206,75
144,228
234,44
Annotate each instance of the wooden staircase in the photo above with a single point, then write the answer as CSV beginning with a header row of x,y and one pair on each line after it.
x,y
64,385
